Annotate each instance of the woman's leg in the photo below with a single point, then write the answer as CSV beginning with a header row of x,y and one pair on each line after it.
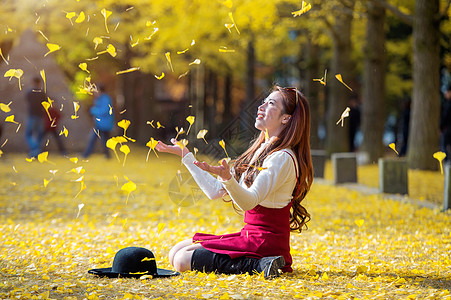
x,y
182,259
176,248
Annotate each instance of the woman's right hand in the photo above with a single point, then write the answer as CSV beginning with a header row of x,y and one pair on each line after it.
x,y
174,148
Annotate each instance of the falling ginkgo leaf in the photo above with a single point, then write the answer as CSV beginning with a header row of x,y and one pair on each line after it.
x,y
128,187
160,77
195,62
81,17
222,144
168,58
233,21
70,15
182,143
84,67
76,108
111,143
106,13
47,105
225,50
74,159
42,157
343,116
80,206
127,71
1,55
97,41
339,78
323,79
181,52
11,119
160,227
195,150
42,72
14,73
190,120
359,222
393,147
304,8
179,131
126,150
46,182
151,144
440,156
64,131
52,48
228,26
5,107
124,125
201,135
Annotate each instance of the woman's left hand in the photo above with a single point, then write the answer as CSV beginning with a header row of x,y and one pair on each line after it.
x,y
223,171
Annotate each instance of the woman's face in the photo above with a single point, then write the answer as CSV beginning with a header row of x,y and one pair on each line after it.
x,y
270,114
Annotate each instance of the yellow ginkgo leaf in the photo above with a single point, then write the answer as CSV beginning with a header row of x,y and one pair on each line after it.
x,y
182,143
393,147
168,58
195,150
42,72
160,77
76,108
111,143
11,119
1,152
190,120
160,227
106,13
159,125
46,182
42,157
128,187
14,73
323,79
440,156
127,71
181,52
343,116
233,21
225,50
84,67
124,125
195,62
304,8
359,222
119,139
201,135
179,131
52,48
64,131
5,107
151,144
70,15
1,55
228,26
111,50
80,206
30,159
81,17
126,150
266,135
97,41
222,144
339,78
74,159
47,105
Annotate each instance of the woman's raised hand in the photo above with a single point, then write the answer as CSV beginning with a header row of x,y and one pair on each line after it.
x,y
222,171
174,148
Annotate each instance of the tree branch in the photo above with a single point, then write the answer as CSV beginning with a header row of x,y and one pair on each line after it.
x,y
408,19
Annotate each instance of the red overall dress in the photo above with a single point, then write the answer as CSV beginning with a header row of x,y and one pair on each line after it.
x,y
266,233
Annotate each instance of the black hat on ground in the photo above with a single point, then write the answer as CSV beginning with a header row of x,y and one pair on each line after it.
x,y
133,262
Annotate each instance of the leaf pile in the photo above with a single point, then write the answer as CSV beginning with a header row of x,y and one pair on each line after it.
x,y
356,247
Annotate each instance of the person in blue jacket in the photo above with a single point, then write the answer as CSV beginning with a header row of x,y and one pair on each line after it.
x,y
102,112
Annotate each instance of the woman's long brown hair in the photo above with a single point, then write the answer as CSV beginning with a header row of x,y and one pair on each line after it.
x,y
296,136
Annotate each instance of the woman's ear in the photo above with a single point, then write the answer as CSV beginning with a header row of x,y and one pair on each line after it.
x,y
285,119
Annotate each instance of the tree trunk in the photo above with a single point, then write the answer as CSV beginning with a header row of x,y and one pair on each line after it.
x,y
245,117
227,113
312,91
424,125
373,105
337,136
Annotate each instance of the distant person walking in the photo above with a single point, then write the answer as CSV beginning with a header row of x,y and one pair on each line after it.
x,y
103,115
34,130
50,127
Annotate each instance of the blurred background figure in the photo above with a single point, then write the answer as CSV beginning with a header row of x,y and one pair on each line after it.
x,y
50,127
102,112
34,130
354,121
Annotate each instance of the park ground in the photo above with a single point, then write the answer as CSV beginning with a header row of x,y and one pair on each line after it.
x,y
357,246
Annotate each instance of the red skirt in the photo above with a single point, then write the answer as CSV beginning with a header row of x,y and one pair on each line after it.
x,y
266,233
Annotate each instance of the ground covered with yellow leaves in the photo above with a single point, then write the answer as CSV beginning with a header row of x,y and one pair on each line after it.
x,y
357,246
